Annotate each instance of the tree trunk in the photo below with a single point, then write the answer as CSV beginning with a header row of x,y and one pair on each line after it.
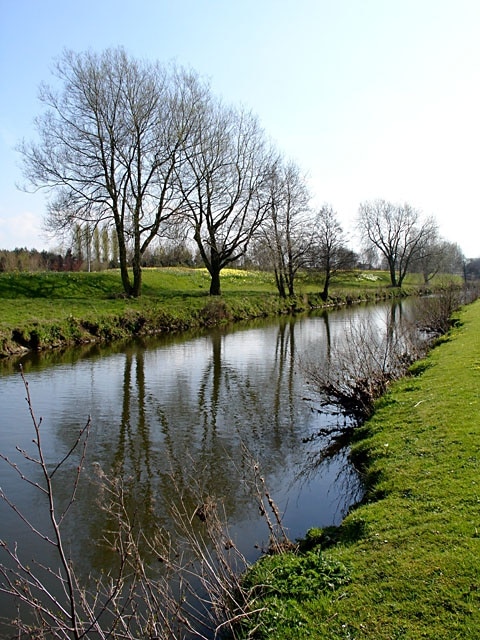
x,y
402,272
136,289
291,290
290,277
122,257
328,275
393,273
215,281
326,286
214,269
137,255
280,283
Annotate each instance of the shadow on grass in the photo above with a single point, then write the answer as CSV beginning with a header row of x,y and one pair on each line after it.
x,y
59,285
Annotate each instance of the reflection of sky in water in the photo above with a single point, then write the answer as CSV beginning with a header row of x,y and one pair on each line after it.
x,y
190,405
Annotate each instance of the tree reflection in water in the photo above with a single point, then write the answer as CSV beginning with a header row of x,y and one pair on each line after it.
x,y
166,412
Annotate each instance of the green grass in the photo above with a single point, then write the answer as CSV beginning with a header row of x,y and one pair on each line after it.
x,y
170,281
410,555
44,310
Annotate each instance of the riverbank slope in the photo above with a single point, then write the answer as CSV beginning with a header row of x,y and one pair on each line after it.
x,y
40,311
404,564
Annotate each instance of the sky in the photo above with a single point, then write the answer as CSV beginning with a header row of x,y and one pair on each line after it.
x,y
371,98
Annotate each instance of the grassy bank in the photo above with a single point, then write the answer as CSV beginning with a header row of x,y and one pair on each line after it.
x,y
405,564
45,310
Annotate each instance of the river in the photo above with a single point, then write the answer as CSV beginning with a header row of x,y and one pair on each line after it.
x,y
175,410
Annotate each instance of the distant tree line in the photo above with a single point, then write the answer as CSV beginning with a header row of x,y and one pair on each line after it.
x,y
84,255
23,259
146,167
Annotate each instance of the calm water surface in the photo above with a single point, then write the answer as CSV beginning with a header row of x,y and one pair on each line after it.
x,y
182,407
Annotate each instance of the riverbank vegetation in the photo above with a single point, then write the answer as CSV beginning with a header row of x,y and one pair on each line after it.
x,y
403,564
53,309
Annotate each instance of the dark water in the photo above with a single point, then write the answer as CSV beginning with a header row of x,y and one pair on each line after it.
x,y
166,412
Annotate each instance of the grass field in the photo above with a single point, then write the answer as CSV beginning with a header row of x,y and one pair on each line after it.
x,y
44,310
406,563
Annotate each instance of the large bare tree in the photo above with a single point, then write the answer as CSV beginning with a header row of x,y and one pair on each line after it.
x,y
108,145
398,232
286,234
223,175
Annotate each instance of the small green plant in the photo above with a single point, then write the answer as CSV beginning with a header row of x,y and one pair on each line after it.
x,y
214,312
278,583
298,575
418,367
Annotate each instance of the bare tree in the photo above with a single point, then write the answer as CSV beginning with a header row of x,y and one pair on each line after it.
x,y
438,256
108,146
453,259
329,253
286,233
398,232
226,163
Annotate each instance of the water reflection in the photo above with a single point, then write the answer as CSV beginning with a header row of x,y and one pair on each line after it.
x,y
166,411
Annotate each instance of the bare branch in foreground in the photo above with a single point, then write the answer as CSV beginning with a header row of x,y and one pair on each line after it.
x,y
360,367
186,583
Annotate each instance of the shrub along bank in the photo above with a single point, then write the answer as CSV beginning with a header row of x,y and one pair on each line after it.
x,y
405,563
46,310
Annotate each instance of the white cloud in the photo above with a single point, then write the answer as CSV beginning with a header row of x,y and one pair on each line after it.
x,y
22,230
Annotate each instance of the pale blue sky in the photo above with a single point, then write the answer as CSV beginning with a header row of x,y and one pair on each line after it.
x,y
372,98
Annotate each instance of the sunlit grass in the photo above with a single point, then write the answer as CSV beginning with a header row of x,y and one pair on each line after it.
x,y
51,295
411,552
42,310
